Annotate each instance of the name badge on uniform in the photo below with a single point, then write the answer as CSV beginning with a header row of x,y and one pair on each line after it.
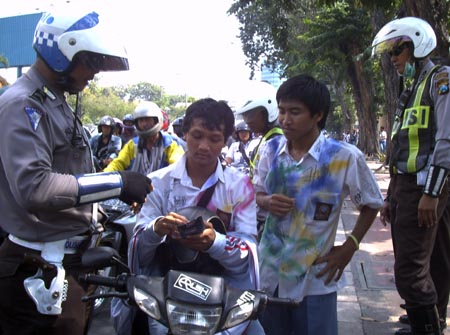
x,y
323,211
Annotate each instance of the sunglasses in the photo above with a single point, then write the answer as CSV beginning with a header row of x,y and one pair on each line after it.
x,y
396,51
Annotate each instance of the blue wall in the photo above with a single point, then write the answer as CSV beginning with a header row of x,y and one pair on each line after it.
x,y
16,39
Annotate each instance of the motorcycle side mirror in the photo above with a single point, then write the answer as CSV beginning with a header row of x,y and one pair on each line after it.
x,y
100,257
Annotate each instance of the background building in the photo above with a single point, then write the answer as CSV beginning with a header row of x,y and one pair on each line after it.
x,y
271,76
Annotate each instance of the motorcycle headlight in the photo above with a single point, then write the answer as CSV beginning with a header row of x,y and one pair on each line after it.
x,y
239,314
192,320
147,303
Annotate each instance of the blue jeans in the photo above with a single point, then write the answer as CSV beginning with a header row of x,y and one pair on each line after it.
x,y
156,328
317,314
383,146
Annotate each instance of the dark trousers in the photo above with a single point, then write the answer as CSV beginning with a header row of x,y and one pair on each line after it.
x,y
18,313
440,262
414,245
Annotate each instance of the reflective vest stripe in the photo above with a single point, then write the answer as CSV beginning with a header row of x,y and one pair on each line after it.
x,y
413,133
411,130
273,131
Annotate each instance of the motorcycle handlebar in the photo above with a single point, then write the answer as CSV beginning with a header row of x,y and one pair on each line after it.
x,y
281,301
118,283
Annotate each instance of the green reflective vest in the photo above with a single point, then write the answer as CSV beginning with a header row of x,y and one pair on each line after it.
x,y
413,131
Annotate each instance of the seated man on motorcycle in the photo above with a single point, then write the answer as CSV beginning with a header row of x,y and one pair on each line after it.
x,y
152,149
129,130
228,251
105,145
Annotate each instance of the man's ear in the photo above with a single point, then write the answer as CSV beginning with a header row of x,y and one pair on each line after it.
x,y
319,116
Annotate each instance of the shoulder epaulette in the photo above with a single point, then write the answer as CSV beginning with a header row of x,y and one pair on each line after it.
x,y
39,95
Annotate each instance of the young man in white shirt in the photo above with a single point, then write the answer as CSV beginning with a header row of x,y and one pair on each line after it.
x,y
302,180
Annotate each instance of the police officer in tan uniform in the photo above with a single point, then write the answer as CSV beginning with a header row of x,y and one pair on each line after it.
x,y
49,191
419,164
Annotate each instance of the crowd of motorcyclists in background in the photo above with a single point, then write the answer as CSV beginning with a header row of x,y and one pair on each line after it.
x,y
112,134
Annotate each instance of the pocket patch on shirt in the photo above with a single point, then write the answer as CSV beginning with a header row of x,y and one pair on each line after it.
x,y
322,211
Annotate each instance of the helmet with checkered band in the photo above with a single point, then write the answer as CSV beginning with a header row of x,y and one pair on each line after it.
x,y
61,37
148,109
406,29
264,96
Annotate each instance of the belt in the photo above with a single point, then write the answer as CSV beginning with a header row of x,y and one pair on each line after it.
x,y
71,245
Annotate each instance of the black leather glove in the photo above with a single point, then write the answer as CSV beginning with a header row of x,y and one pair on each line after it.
x,y
135,187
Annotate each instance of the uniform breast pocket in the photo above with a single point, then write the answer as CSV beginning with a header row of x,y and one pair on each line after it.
x,y
322,206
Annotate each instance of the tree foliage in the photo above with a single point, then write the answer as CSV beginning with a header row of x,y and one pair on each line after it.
x,y
331,40
4,61
96,101
328,42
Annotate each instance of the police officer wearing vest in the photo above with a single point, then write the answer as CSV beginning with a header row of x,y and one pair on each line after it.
x,y
419,164
260,113
48,189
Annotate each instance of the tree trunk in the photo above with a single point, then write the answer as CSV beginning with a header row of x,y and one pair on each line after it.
x,y
391,81
362,93
346,113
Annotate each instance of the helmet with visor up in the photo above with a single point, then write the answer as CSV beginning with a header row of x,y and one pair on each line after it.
x,y
400,31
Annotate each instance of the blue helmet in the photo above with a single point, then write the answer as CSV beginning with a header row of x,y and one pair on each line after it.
x,y
61,37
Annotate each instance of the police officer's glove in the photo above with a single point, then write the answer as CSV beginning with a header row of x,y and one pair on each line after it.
x,y
135,187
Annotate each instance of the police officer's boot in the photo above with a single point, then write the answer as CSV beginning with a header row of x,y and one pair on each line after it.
x,y
424,320
407,331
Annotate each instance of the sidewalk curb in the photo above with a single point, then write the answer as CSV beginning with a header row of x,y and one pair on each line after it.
x,y
348,307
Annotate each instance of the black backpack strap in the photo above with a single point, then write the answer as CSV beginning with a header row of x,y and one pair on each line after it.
x,y
206,196
244,154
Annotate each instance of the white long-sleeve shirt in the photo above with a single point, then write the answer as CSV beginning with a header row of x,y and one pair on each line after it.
x,y
233,201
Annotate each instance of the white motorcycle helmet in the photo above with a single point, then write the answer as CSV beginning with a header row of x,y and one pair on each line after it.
x,y
407,29
263,95
61,36
148,109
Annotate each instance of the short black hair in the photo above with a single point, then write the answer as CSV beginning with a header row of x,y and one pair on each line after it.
x,y
311,92
213,114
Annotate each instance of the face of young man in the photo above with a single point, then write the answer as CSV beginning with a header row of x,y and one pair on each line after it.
x,y
147,123
297,122
106,130
204,145
244,136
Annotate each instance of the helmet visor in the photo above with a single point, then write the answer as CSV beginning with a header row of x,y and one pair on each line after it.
x,y
99,62
392,46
